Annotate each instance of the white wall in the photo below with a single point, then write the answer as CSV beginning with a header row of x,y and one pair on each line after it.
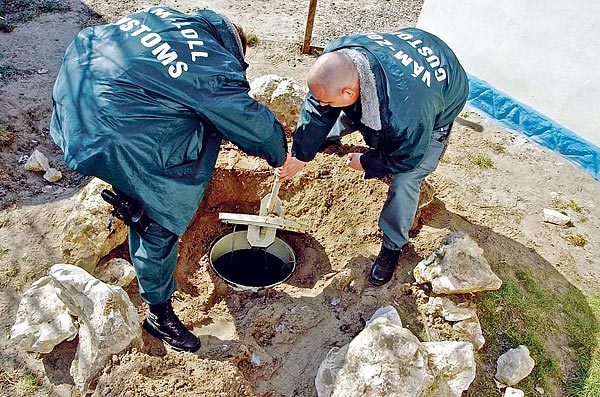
x,y
544,53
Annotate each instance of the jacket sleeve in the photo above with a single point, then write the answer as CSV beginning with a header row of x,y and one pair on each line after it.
x,y
245,122
400,154
314,124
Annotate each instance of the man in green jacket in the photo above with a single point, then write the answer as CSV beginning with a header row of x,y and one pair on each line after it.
x,y
402,90
143,104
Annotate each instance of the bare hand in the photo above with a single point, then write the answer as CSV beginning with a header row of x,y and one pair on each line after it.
x,y
354,161
290,168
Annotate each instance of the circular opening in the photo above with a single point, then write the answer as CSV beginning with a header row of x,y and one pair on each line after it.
x,y
251,268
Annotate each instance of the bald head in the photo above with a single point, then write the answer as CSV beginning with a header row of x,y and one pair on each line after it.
x,y
333,79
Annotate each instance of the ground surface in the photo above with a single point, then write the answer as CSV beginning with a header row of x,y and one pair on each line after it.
x,y
270,343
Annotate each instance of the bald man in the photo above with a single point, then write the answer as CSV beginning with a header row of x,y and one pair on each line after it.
x,y
402,90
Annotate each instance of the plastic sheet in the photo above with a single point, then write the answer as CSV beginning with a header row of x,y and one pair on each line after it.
x,y
539,128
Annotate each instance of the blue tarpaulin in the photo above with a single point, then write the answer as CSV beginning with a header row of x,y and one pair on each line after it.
x,y
536,126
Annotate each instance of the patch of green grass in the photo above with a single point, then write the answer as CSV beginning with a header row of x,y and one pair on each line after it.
x,y
6,136
562,204
572,204
517,215
29,384
6,26
523,312
20,11
480,160
3,251
577,239
54,5
586,380
499,147
252,39
7,72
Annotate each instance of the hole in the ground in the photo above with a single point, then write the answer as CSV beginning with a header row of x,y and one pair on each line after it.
x,y
251,268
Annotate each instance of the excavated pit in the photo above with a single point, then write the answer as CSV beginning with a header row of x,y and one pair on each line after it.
x,y
244,267
340,208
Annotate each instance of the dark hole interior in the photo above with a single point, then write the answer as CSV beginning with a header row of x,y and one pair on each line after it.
x,y
252,267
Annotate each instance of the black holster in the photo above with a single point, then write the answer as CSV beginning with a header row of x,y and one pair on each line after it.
x,y
128,210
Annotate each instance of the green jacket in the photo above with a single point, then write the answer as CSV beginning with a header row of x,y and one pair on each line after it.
x,y
410,84
143,103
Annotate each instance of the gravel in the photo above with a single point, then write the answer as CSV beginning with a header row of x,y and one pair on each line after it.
x,y
339,18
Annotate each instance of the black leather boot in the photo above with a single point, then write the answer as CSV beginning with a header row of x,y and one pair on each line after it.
x,y
162,323
384,266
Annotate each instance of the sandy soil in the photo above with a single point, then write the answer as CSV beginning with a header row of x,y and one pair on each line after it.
x,y
270,343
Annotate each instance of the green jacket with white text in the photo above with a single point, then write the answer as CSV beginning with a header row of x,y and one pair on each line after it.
x,y
144,103
410,84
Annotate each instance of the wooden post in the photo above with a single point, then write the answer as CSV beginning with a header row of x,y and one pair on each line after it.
x,y
309,26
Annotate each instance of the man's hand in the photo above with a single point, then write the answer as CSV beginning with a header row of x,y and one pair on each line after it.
x,y
354,161
290,168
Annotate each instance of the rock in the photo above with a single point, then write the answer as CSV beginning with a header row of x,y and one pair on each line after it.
x,y
451,311
85,237
457,266
514,366
463,320
116,271
42,320
470,330
52,175
282,95
108,321
342,281
386,359
388,312
37,162
382,360
556,217
510,392
453,364
255,360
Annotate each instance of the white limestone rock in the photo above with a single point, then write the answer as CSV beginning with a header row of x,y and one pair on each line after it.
x,y
556,217
511,392
388,312
514,366
37,162
449,310
85,238
457,266
461,318
283,95
453,364
52,175
42,319
383,360
470,330
386,359
117,271
108,320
